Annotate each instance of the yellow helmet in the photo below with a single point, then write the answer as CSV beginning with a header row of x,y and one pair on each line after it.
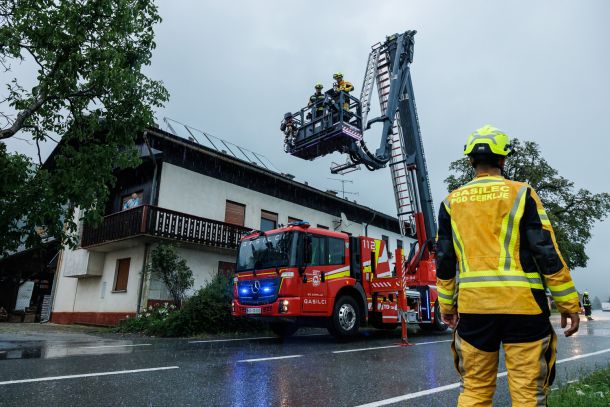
x,y
337,75
488,140
319,85
586,293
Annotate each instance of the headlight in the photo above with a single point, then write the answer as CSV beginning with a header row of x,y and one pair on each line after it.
x,y
284,306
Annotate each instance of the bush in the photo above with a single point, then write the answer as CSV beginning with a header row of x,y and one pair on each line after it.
x,y
207,311
148,321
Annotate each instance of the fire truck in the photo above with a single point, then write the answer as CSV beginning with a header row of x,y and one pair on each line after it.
x,y
299,275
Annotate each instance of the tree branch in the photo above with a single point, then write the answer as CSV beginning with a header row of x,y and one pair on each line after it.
x,y
21,118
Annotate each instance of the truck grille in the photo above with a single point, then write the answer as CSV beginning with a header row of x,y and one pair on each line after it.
x,y
257,292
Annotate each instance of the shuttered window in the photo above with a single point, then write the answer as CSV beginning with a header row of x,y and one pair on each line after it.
x,y
235,213
121,275
292,220
323,227
268,220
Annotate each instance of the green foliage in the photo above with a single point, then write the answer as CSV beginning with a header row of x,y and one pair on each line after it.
x,y
172,270
149,321
596,303
592,390
572,212
89,90
209,311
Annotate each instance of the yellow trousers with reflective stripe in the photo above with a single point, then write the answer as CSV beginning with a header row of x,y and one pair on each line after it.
x,y
530,365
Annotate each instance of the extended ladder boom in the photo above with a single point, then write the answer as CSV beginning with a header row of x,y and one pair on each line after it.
x,y
401,144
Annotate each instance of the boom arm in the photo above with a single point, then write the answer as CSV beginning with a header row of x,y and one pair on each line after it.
x,y
390,62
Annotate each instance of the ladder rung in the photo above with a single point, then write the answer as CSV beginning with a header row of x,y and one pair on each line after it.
x,y
405,213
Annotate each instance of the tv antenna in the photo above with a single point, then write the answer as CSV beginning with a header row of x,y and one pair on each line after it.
x,y
343,191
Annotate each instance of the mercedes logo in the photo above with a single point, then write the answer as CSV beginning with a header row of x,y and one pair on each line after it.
x,y
256,286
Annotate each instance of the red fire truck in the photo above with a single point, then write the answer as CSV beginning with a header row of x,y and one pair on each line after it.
x,y
299,275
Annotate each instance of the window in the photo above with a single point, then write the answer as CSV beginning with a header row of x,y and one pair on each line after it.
x,y
235,213
327,251
121,275
336,251
132,200
291,219
323,227
268,220
226,269
399,243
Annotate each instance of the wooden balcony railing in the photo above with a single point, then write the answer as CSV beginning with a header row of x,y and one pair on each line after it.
x,y
151,220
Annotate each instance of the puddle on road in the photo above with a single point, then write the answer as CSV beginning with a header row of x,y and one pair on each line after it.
x,y
42,350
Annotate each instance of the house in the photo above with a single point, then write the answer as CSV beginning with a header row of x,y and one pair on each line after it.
x,y
203,200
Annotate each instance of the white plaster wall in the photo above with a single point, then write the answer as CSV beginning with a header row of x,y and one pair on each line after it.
x,y
66,286
190,192
94,294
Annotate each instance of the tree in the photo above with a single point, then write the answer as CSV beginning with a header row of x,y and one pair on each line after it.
x,y
172,270
89,95
572,212
596,303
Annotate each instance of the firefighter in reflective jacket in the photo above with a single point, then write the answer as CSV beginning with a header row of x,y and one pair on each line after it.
x,y
586,304
316,102
341,85
498,235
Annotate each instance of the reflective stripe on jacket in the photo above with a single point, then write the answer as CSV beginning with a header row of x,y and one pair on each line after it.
x,y
498,235
317,101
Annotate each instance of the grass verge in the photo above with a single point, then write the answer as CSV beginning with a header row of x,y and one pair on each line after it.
x,y
592,390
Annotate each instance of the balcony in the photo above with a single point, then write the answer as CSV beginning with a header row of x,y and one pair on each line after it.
x,y
149,223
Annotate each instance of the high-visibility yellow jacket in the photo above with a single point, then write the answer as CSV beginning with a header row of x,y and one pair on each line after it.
x,y
344,86
498,235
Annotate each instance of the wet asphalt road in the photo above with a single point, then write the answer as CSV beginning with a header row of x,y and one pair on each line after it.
x,y
311,369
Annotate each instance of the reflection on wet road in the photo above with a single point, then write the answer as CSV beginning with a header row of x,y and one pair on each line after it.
x,y
310,369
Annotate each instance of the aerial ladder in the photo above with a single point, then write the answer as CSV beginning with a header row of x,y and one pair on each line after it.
x,y
401,149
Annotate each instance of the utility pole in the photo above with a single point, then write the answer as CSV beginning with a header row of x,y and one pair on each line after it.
x,y
343,191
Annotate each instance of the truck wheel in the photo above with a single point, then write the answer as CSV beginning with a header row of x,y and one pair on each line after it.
x,y
437,324
345,320
283,329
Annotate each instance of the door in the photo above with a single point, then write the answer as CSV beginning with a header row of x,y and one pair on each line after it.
x,y
326,261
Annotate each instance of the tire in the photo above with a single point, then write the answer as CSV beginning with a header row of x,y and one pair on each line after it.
x,y
437,325
283,329
346,318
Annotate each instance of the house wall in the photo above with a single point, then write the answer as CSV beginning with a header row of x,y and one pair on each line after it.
x,y
190,192
92,299
203,263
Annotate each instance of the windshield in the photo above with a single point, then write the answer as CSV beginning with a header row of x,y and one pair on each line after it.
x,y
267,251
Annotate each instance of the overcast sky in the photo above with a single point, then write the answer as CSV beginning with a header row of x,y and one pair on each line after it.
x,y
538,70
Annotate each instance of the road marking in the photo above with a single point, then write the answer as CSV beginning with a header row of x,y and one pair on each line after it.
x,y
76,376
363,349
387,347
271,358
234,339
431,342
456,385
250,339
114,346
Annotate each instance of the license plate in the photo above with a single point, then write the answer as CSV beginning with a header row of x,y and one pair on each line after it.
x,y
253,310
